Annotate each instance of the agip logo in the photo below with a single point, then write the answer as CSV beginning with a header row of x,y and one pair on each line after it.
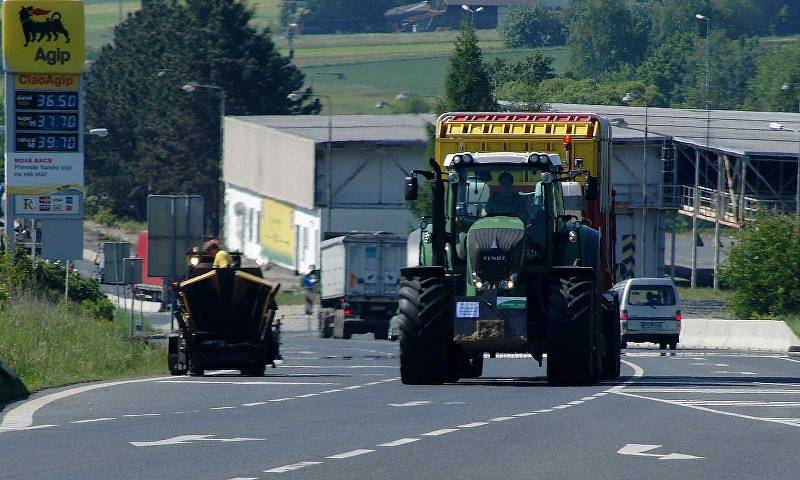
x,y
43,36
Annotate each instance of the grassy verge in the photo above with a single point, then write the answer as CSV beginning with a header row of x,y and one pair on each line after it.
x,y
49,345
291,297
703,294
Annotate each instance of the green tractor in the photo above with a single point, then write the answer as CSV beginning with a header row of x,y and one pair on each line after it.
x,y
506,266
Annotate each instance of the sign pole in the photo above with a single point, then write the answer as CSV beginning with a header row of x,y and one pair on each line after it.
x,y
66,284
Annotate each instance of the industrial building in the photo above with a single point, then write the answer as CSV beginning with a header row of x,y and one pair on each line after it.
x,y
282,194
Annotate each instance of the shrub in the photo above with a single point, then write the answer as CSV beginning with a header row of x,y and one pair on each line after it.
x,y
533,26
762,266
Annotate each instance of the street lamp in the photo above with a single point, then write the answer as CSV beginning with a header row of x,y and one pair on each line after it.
x,y
629,97
781,128
296,97
696,199
471,12
192,87
788,87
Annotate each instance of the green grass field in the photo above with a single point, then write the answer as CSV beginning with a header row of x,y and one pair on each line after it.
x,y
376,66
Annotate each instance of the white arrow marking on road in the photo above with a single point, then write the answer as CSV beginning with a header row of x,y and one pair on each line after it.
x,y
638,450
183,439
410,404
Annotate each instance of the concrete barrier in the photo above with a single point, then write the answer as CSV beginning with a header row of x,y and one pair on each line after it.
x,y
764,335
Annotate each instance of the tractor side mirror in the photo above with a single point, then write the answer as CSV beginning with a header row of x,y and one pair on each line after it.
x,y
590,192
412,187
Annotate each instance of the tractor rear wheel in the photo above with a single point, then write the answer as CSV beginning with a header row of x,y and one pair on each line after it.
x,y
423,336
570,331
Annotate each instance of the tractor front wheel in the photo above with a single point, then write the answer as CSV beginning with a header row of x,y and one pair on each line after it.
x,y
571,331
423,336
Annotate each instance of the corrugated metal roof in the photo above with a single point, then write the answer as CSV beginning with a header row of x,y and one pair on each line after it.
x,y
734,132
383,129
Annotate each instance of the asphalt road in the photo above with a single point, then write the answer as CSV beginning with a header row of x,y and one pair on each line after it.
x,y
335,409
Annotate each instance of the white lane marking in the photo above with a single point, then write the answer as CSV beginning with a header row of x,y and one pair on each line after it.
x,y
221,408
524,414
22,416
280,399
739,403
725,372
561,407
586,399
184,439
353,387
397,443
500,419
638,450
245,478
473,424
600,394
353,453
35,427
250,382
700,390
306,352
576,402
789,359
455,403
544,410
391,379
332,391
443,431
92,420
307,395
338,366
289,468
372,383
143,415
410,404
253,404
711,410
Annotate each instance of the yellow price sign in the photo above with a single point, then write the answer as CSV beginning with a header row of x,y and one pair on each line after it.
x,y
43,36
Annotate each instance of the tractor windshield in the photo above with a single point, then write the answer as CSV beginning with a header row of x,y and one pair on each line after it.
x,y
486,190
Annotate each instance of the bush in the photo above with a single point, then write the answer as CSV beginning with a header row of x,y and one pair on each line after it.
x,y
533,26
762,266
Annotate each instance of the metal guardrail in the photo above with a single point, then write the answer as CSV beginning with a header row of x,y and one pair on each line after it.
x,y
658,195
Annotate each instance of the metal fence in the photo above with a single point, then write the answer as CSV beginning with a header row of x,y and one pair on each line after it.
x,y
733,212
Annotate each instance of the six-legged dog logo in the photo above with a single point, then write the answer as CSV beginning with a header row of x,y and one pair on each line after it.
x,y
36,30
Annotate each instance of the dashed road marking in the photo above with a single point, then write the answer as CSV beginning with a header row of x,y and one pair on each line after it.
x,y
292,467
443,431
524,414
246,382
280,399
332,391
221,408
544,410
92,420
473,424
307,395
415,403
353,387
561,407
500,419
253,404
352,453
397,443
143,415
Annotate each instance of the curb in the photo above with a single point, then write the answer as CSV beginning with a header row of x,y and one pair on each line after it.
x,y
794,351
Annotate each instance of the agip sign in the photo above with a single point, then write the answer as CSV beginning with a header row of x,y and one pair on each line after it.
x,y
43,36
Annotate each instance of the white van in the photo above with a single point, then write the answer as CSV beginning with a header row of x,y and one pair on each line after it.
x,y
650,311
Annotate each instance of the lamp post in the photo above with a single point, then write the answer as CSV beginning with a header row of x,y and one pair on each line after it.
x,y
297,96
788,87
628,98
471,13
696,196
781,128
192,87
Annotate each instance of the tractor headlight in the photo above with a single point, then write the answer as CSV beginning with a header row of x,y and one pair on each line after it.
x,y
194,261
509,283
477,281
572,236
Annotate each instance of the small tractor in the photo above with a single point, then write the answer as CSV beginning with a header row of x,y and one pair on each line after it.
x,y
226,319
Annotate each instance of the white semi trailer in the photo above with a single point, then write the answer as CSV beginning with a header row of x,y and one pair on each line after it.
x,y
359,277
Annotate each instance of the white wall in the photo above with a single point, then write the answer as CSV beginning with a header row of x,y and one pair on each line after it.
x,y
308,235
242,221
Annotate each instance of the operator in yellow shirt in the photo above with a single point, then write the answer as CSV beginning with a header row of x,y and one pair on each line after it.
x,y
221,258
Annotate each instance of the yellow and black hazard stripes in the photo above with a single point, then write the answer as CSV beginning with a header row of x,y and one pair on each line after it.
x,y
628,262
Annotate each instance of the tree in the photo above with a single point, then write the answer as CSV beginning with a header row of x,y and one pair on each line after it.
x,y
758,267
518,81
467,85
777,67
668,66
165,140
603,36
533,26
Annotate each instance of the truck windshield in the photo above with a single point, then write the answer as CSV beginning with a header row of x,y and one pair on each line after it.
x,y
485,190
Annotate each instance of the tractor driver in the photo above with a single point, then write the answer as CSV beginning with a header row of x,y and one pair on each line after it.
x,y
505,200
221,258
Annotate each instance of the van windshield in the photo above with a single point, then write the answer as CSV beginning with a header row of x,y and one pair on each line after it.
x,y
651,295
